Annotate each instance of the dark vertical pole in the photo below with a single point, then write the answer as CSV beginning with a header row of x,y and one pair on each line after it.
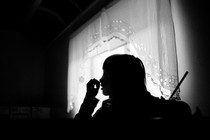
x,y
177,87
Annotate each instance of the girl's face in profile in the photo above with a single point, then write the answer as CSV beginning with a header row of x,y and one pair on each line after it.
x,y
106,83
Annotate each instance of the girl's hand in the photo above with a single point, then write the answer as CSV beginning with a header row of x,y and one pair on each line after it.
x,y
93,87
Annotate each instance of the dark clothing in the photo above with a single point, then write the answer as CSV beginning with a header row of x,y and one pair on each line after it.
x,y
87,108
148,108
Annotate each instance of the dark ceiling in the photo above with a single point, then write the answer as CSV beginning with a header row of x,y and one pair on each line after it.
x,y
42,19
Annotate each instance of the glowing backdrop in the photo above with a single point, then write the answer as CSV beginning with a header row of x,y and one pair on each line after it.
x,y
143,28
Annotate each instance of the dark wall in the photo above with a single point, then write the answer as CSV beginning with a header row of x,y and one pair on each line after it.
x,y
198,29
31,76
192,40
56,62
22,69
30,72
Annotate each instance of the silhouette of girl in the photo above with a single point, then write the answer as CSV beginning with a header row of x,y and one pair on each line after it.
x,y
124,82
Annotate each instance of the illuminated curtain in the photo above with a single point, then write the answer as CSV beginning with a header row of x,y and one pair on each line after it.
x,y
143,28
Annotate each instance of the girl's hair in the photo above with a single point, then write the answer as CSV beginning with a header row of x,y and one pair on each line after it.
x,y
127,72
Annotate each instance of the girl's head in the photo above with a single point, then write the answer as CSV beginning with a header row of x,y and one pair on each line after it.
x,y
123,73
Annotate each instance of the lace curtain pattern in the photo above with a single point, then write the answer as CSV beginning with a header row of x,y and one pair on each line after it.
x,y
143,28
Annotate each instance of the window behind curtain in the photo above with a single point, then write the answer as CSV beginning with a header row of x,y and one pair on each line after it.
x,y
143,28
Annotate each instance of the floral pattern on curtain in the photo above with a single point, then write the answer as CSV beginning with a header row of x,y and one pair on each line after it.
x,y
143,28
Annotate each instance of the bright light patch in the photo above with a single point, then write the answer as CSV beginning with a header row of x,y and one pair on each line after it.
x,y
138,27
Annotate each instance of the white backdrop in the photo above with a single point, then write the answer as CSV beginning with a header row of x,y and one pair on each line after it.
x,y
143,28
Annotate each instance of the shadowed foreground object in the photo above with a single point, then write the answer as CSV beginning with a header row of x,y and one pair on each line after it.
x,y
124,75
